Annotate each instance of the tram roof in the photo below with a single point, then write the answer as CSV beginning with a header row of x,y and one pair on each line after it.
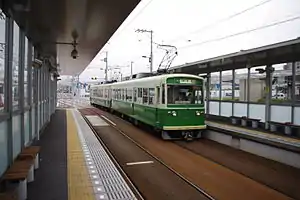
x,y
153,78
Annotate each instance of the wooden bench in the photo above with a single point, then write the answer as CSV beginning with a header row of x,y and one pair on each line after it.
x,y
31,152
18,173
21,172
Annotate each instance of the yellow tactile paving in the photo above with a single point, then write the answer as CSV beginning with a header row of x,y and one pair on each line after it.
x,y
283,138
79,183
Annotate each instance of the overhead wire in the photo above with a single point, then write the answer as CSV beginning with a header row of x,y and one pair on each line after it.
x,y
242,32
222,20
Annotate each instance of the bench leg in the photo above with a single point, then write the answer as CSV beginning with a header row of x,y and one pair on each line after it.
x,y
254,124
234,121
36,161
22,190
287,130
30,177
273,128
244,122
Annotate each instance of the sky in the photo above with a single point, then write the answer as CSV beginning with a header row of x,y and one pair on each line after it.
x,y
199,29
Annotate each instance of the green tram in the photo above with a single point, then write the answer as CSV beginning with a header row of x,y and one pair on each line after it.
x,y
172,104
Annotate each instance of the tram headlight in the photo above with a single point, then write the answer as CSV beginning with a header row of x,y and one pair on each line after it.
x,y
174,113
198,113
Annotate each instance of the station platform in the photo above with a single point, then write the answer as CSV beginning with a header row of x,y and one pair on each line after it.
x,y
74,165
282,141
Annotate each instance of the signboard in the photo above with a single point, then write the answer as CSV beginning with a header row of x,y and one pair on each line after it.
x,y
184,81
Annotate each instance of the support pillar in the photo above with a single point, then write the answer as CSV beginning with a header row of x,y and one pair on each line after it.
x,y
233,92
248,90
268,95
293,92
207,92
220,92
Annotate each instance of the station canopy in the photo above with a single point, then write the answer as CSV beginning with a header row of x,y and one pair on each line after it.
x,y
48,22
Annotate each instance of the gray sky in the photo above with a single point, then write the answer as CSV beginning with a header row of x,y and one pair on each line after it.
x,y
175,22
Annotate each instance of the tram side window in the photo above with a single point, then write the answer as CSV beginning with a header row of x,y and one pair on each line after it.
x,y
145,95
134,95
140,92
163,94
105,94
129,95
119,94
151,95
123,94
157,95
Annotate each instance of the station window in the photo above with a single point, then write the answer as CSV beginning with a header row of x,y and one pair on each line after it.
x,y
26,90
239,84
151,95
145,95
226,86
2,60
15,68
215,86
257,86
282,83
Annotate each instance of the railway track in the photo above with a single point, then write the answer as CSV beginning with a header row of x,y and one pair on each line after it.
x,y
176,181
216,180
278,176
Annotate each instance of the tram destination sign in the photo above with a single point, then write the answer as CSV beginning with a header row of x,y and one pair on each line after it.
x,y
184,81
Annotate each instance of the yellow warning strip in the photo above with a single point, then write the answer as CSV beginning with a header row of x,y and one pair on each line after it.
x,y
79,183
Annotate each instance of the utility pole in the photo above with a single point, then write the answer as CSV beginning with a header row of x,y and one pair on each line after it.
x,y
151,51
151,46
106,67
131,71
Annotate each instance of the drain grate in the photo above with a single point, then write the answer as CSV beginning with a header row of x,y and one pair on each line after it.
x,y
108,184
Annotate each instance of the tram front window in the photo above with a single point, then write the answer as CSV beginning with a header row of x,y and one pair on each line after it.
x,y
185,94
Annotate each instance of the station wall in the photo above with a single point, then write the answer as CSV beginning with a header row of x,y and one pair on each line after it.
x,y
27,94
